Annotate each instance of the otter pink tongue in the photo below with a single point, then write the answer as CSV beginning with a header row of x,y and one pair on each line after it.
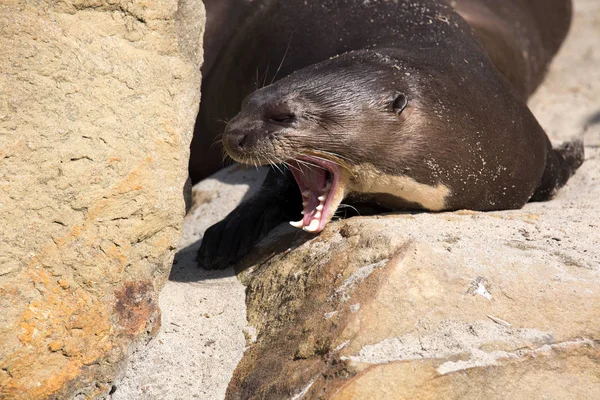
x,y
312,180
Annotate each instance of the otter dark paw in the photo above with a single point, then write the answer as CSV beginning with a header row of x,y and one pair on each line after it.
x,y
227,242
211,255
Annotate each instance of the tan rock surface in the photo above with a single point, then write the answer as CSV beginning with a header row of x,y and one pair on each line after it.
x,y
203,312
97,106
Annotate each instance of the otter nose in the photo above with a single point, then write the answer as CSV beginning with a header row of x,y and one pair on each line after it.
x,y
236,140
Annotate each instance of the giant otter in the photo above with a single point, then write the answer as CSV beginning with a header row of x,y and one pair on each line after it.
x,y
405,104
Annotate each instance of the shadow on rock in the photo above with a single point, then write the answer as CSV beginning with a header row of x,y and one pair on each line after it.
x,y
186,269
594,119
592,130
282,239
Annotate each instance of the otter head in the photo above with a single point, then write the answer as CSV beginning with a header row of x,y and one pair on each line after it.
x,y
320,123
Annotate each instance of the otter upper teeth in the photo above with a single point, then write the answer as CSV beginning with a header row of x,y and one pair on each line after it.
x,y
297,224
315,180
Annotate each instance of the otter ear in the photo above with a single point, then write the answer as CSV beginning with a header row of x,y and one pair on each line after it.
x,y
399,103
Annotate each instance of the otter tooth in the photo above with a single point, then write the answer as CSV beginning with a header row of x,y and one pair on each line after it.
x,y
314,225
297,224
317,215
306,193
320,207
303,212
322,198
304,203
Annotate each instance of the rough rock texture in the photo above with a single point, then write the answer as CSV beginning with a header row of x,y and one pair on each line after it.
x,y
427,306
203,312
97,106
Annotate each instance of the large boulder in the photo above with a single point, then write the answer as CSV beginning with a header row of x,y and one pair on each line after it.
x,y
425,306
97,106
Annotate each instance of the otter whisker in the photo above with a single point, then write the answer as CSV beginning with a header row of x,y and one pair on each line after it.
x,y
335,155
290,166
283,59
225,156
342,205
274,164
266,76
281,164
216,141
308,164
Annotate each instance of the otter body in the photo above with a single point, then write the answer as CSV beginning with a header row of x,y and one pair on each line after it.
x,y
400,104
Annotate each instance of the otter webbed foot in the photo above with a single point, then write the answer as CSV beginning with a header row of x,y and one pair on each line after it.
x,y
227,242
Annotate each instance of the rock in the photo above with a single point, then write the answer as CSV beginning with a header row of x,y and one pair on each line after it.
x,y
97,109
451,305
203,312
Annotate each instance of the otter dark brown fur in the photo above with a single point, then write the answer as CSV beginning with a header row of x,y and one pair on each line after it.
x,y
414,104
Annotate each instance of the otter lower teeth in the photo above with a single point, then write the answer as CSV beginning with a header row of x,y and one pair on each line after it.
x,y
315,184
314,225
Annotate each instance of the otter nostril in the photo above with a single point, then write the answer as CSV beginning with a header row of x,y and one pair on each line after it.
x,y
235,140
240,141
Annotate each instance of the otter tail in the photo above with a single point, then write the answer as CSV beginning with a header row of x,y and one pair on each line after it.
x,y
561,164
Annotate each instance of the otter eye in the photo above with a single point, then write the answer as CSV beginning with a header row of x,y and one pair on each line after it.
x,y
400,102
281,114
283,118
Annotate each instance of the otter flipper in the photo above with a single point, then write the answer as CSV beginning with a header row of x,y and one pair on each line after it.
x,y
561,164
228,241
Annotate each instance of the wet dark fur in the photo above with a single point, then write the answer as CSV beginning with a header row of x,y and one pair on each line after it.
x,y
470,97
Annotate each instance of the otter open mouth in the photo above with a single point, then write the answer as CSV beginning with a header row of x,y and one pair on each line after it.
x,y
319,182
